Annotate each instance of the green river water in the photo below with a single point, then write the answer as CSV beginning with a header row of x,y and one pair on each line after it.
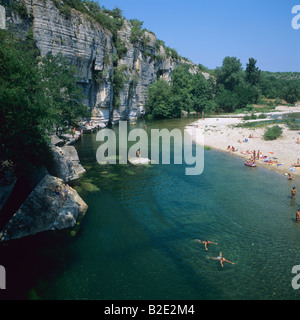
x,y
137,240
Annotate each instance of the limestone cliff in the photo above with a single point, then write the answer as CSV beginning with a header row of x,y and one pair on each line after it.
x,y
90,47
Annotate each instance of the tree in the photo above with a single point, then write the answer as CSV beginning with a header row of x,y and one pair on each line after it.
x,y
291,93
34,98
201,92
22,135
159,99
230,74
62,96
227,100
182,86
252,73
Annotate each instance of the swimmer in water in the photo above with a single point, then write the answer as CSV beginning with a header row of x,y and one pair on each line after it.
x,y
206,243
221,259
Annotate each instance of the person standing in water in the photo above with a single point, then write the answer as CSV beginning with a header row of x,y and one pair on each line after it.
x,y
293,193
221,259
298,216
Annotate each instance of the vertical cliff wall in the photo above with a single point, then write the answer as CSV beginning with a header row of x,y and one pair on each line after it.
x,y
90,47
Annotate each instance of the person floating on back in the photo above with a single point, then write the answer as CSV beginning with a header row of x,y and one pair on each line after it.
x,y
206,243
221,259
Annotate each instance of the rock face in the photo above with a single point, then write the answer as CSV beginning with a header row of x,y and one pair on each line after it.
x,y
2,18
5,191
67,165
90,47
44,211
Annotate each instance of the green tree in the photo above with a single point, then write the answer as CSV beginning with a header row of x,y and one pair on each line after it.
x,y
252,72
34,99
201,92
227,100
182,86
22,135
291,93
230,74
61,94
159,99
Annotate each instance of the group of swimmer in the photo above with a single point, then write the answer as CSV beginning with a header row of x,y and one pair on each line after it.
x,y
220,257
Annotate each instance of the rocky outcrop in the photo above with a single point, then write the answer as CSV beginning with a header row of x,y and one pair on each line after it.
x,y
90,47
66,163
43,211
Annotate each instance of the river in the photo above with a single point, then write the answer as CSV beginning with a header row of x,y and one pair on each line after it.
x,y
137,240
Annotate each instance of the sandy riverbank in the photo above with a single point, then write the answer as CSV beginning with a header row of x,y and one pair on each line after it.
x,y
219,133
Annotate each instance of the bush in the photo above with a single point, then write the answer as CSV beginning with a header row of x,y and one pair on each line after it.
x,y
252,117
262,116
272,133
293,125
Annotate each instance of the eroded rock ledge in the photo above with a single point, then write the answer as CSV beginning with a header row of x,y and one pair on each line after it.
x,y
44,210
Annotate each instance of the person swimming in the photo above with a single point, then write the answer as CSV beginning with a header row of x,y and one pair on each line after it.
x,y
206,243
221,259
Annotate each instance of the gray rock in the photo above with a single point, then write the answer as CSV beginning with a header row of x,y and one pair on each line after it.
x,y
43,211
2,18
66,163
56,141
5,191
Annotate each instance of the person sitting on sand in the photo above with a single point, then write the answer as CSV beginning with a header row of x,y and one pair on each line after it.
x,y
233,149
293,193
228,148
298,216
251,136
221,259
298,141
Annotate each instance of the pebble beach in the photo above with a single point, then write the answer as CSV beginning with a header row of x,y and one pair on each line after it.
x,y
219,133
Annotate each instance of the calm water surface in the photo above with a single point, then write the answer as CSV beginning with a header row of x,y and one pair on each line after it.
x,y
137,240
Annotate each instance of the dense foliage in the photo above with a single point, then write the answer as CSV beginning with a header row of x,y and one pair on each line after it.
x,y
229,89
37,96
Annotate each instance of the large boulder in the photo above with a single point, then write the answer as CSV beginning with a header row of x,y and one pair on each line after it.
x,y
44,210
66,163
